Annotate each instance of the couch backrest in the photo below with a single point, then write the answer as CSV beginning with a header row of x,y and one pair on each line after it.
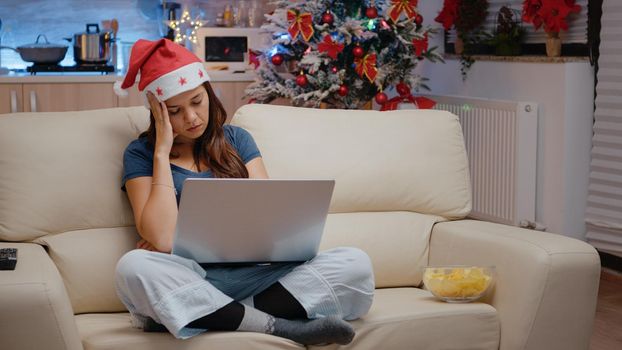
x,y
407,160
61,171
397,173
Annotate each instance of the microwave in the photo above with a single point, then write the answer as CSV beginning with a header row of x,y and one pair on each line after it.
x,y
221,46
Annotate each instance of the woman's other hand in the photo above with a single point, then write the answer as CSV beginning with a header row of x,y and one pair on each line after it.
x,y
164,130
142,244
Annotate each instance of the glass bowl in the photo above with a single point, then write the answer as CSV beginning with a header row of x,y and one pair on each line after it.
x,y
458,283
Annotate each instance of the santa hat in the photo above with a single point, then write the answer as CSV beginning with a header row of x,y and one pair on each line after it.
x,y
166,69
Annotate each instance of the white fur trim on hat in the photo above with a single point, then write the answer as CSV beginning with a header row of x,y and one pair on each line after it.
x,y
180,80
118,90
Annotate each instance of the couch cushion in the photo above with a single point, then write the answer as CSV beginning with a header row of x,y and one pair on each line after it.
x,y
400,318
115,332
87,260
410,318
396,242
407,160
61,170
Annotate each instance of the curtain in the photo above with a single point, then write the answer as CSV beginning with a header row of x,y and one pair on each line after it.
x,y
604,207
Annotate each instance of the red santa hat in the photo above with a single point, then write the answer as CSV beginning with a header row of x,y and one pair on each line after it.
x,y
166,69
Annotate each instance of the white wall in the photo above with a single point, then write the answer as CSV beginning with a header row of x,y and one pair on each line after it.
x,y
564,93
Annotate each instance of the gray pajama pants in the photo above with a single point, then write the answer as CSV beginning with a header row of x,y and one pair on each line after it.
x,y
175,291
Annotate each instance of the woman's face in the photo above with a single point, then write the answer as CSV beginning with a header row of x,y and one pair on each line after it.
x,y
189,113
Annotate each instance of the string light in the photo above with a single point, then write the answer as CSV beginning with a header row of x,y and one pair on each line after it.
x,y
182,26
371,25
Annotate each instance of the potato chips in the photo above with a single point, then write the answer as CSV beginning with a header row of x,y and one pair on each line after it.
x,y
457,282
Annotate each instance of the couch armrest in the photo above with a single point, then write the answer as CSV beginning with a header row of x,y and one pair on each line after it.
x,y
547,284
35,312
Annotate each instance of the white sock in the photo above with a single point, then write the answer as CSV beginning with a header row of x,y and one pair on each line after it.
x,y
250,301
307,332
256,321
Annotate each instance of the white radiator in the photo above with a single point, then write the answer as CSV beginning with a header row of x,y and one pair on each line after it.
x,y
501,143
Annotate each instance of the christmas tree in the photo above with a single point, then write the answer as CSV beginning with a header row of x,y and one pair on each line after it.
x,y
342,53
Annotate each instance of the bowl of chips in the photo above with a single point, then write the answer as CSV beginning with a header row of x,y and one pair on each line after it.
x,y
458,283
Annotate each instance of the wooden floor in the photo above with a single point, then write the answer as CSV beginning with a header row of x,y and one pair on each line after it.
x,y
608,324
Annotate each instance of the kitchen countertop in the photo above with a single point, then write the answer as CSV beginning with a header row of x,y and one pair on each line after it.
x,y
95,77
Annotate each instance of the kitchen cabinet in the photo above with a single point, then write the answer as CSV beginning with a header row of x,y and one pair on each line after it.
x,y
27,93
230,95
67,97
133,98
11,98
55,97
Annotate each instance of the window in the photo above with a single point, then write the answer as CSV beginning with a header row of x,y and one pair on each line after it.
x,y
575,40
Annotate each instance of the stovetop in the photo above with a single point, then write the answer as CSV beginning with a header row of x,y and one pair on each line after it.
x,y
102,68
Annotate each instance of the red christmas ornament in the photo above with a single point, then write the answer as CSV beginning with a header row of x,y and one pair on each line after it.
x,y
334,69
277,59
402,89
381,98
371,12
418,19
328,18
358,52
343,90
302,80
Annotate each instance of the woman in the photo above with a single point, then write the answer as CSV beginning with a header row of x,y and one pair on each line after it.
x,y
307,303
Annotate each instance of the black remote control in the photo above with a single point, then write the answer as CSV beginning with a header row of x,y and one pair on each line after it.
x,y
8,258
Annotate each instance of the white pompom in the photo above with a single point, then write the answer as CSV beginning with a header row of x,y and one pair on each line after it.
x,y
118,90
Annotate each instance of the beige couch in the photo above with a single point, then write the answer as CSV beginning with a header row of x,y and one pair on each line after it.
x,y
402,191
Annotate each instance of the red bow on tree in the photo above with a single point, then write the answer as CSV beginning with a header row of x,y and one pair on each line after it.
x,y
330,47
300,23
366,66
421,45
421,102
398,6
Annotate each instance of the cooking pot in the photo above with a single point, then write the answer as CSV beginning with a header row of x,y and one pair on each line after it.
x,y
92,46
41,53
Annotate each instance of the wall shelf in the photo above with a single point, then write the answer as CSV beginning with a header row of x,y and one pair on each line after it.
x,y
523,58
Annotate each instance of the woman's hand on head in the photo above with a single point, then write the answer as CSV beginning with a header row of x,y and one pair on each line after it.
x,y
164,130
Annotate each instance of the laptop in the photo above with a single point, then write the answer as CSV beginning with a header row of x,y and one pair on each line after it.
x,y
251,221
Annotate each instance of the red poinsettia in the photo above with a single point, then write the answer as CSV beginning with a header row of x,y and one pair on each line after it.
x,y
551,14
448,14
464,15
330,47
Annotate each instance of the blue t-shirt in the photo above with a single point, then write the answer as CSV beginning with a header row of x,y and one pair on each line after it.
x,y
138,158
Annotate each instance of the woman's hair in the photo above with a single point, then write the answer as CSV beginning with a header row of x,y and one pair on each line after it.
x,y
211,146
